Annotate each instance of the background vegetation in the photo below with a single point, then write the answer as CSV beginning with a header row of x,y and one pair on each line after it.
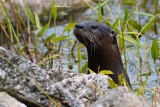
x,y
136,23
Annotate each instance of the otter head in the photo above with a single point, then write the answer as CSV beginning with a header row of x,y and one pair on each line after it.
x,y
94,34
103,52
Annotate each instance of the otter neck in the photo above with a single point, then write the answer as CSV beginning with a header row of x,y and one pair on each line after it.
x,y
106,57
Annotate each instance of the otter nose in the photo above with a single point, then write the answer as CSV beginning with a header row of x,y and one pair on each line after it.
x,y
79,26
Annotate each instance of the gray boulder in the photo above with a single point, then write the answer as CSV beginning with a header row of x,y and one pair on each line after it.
x,y
8,101
120,97
35,86
20,76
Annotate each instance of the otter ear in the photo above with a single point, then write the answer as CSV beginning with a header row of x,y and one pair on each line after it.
x,y
114,34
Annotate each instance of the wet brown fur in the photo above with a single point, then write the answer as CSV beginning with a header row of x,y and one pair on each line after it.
x,y
102,48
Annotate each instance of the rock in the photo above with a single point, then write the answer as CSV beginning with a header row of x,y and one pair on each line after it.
x,y
71,89
156,97
120,97
80,88
8,101
29,83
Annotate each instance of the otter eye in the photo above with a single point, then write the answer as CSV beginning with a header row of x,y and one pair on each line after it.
x,y
94,27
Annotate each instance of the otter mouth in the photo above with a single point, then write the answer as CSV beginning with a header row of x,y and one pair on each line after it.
x,y
85,37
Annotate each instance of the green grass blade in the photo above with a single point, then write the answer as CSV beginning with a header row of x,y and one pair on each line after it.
x,y
29,14
130,14
79,57
40,33
57,39
155,49
145,14
50,38
126,15
115,24
112,83
90,71
69,26
149,24
106,72
37,20
134,24
129,39
84,68
55,14
99,12
54,10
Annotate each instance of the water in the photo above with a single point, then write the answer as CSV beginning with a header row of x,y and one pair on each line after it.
x,y
131,51
132,59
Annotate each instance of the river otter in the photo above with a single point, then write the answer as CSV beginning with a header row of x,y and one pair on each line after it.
x,y
103,52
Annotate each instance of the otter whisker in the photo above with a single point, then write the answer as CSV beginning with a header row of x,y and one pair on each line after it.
x,y
93,45
95,38
93,41
83,37
89,38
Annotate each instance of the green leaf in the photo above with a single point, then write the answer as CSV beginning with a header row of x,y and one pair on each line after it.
x,y
121,21
126,14
55,14
69,26
147,76
84,68
101,4
129,39
155,49
149,24
51,37
115,24
120,40
145,82
106,72
79,57
90,71
99,12
40,33
38,23
145,14
131,33
122,80
134,24
54,10
4,10
130,14
112,83
29,14
57,39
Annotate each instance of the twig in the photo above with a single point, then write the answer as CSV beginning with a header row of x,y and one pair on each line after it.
x,y
20,29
